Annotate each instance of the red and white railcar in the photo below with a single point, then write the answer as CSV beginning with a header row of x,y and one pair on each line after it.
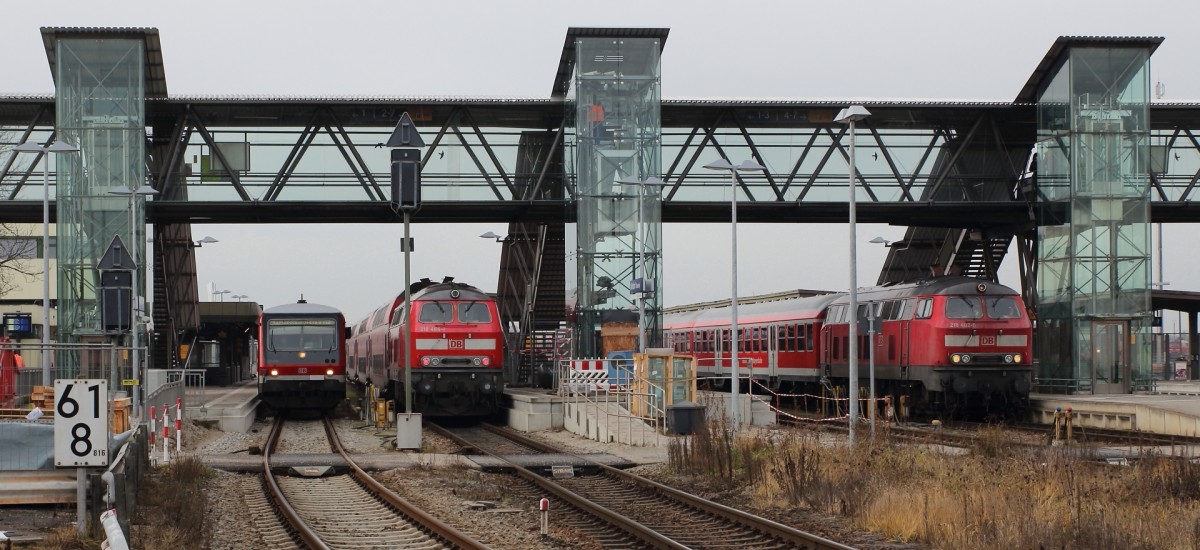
x,y
302,356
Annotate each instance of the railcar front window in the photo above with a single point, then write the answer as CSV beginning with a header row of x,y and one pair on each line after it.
x,y
301,335
474,312
1002,307
436,312
963,307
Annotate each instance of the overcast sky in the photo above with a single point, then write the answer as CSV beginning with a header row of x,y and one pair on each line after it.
x,y
956,49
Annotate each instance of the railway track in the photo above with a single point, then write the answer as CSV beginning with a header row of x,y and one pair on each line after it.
x,y
349,510
647,513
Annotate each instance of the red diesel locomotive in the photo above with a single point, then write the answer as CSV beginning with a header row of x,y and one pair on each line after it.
x,y
953,344
456,353
302,357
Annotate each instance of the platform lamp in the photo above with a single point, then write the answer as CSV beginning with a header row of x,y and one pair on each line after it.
x,y
56,147
204,241
850,115
221,293
723,164
144,191
642,185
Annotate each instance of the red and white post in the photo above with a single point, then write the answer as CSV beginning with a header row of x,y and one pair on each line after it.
x,y
544,509
152,429
166,436
178,424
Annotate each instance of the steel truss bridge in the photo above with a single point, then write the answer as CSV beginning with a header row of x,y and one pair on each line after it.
x,y
957,174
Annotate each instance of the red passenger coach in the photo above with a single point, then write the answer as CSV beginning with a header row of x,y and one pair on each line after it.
x,y
456,353
953,344
302,357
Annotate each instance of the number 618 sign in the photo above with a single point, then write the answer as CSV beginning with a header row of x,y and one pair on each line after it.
x,y
80,423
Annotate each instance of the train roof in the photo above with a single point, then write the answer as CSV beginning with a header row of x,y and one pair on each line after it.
x,y
946,285
301,308
809,307
445,291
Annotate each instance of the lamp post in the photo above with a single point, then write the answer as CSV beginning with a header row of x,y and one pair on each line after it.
x,y
56,147
239,296
850,115
204,241
220,293
133,194
657,183
723,164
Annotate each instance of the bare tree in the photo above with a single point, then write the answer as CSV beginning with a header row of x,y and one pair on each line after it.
x,y
18,243
18,246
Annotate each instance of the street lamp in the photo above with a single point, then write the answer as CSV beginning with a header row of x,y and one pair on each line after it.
x,y
204,241
56,147
221,293
657,184
239,296
723,164
850,115
143,191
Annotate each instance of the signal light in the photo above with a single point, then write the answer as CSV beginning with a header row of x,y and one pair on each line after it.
x,y
424,361
487,361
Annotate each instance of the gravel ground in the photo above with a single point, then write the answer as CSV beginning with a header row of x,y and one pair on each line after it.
x,y
489,507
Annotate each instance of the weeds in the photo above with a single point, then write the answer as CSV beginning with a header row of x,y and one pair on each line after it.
x,y
997,496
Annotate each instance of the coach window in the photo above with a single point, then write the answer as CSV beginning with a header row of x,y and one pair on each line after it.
x,y
398,316
378,318
808,329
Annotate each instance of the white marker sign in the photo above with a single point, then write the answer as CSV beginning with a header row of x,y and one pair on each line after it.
x,y
80,423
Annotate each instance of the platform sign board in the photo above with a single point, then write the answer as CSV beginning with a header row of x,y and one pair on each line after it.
x,y
80,423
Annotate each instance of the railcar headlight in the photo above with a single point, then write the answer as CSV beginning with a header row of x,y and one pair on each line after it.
x,y
302,354
329,372
274,372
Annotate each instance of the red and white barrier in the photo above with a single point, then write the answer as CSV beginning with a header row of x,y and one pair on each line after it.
x,y
587,376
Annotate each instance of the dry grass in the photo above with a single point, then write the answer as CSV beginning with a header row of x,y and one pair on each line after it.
x,y
171,507
996,496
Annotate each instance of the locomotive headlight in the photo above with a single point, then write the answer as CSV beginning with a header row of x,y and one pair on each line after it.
x,y
425,361
1017,358
477,362
436,361
274,372
966,358
1008,358
956,358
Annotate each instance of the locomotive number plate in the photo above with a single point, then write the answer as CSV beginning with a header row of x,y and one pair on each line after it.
x,y
457,344
987,340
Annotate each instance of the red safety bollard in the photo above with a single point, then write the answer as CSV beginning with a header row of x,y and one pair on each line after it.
x,y
178,424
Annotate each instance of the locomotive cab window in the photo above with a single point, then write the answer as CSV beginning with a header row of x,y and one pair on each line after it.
x,y
436,312
963,307
924,308
1002,307
473,312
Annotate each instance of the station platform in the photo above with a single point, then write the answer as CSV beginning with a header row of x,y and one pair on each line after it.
x,y
1172,409
229,408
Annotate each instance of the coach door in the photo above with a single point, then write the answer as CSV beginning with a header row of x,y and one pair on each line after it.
x,y
1110,357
